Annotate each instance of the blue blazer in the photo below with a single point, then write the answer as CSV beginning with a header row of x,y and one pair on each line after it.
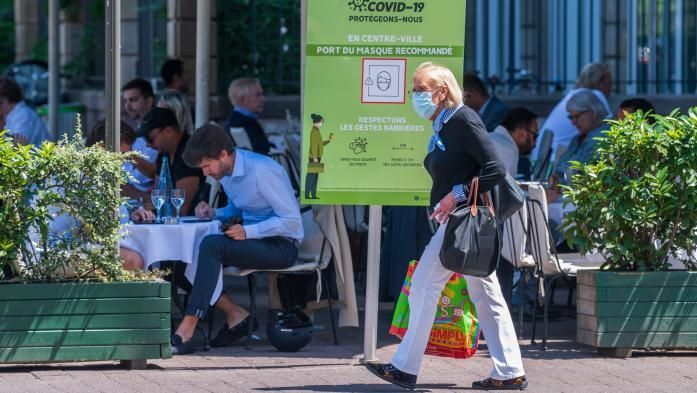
x,y
494,113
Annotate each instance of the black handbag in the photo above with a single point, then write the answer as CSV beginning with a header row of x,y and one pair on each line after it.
x,y
508,198
472,242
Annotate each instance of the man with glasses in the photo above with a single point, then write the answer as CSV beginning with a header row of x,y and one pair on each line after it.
x,y
160,129
514,139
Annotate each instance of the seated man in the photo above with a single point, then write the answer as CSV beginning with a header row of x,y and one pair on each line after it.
x,y
632,105
476,96
132,260
17,117
259,192
247,98
161,130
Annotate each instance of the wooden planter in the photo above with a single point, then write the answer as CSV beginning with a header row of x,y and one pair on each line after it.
x,y
622,311
126,321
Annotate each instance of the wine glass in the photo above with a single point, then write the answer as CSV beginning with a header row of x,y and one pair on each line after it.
x,y
177,199
158,200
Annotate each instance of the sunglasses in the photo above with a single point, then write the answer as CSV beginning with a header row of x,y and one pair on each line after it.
x,y
531,132
576,116
152,133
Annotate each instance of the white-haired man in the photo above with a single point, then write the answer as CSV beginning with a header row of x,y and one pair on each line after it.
x,y
247,98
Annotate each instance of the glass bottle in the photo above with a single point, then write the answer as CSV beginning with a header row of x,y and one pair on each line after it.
x,y
164,183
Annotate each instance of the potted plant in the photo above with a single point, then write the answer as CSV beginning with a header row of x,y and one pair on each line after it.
x,y
636,204
65,295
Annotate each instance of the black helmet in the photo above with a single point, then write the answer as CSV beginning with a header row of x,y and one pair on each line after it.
x,y
288,330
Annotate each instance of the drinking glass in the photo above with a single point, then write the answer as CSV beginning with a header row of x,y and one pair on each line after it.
x,y
158,200
177,199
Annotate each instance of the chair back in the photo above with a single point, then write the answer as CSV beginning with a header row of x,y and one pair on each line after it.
x,y
314,247
542,164
539,235
240,137
514,237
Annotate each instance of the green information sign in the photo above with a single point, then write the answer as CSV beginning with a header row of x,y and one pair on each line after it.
x,y
362,142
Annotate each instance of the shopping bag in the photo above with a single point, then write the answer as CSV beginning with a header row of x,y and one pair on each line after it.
x,y
315,167
455,331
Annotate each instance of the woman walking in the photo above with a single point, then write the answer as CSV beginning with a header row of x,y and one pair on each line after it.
x,y
459,150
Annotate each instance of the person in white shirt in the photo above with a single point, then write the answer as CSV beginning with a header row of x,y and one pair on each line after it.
x,y
593,76
138,100
19,119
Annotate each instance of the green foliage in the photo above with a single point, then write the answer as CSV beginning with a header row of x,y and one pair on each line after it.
x,y
637,203
39,183
260,39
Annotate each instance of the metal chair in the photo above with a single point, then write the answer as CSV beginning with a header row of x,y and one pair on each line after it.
x,y
550,266
314,255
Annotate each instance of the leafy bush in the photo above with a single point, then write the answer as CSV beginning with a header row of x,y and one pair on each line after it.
x,y
637,203
38,183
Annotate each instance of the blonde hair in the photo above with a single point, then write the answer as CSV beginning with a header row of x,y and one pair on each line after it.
x,y
442,76
240,88
179,104
591,75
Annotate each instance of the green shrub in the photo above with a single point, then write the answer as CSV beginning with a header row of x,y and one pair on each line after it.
x,y
38,183
637,202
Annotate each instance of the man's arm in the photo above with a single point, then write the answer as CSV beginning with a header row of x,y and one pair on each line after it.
x,y
145,167
278,193
190,186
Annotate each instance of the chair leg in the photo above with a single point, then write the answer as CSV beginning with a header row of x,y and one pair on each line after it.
x,y
252,307
534,309
521,299
331,310
572,287
546,312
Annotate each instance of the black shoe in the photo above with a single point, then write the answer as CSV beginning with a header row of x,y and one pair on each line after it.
x,y
182,348
519,383
392,375
228,335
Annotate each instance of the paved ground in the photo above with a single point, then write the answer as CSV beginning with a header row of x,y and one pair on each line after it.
x,y
323,367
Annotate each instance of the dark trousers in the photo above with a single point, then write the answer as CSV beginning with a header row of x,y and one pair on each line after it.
x,y
217,251
504,272
311,185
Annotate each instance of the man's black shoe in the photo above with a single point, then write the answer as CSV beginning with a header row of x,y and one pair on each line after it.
x,y
182,348
228,335
519,383
392,375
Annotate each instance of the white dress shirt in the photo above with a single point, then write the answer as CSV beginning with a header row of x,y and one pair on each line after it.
x,y
24,121
142,182
259,191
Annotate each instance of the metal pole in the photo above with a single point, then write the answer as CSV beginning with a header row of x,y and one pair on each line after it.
x,y
53,68
203,50
372,284
112,75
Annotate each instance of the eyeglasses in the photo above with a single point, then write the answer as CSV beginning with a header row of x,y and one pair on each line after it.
x,y
576,116
531,132
151,135
414,91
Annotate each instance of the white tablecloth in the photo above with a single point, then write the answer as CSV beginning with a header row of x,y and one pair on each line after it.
x,y
160,242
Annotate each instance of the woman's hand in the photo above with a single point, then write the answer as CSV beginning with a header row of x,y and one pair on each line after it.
x,y
444,208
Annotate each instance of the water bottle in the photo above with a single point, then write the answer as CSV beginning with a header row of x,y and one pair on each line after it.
x,y
164,183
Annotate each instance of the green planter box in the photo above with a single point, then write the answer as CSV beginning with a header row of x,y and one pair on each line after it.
x,y
127,321
621,311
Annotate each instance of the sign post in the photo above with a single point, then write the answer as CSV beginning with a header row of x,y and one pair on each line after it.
x,y
362,142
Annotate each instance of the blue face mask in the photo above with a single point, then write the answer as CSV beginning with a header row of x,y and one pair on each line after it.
x,y
422,102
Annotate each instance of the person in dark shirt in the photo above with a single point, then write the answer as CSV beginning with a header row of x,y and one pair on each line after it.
x,y
161,130
175,76
460,149
247,98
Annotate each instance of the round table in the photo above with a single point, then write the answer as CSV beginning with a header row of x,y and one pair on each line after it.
x,y
172,242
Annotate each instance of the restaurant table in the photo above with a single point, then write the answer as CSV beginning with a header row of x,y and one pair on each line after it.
x,y
172,242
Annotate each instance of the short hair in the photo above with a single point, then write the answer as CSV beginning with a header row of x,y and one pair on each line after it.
x,y
208,142
240,88
179,104
10,89
635,104
586,100
142,85
471,82
591,75
98,133
518,117
170,68
442,76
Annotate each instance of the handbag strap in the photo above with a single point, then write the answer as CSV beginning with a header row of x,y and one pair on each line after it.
x,y
472,197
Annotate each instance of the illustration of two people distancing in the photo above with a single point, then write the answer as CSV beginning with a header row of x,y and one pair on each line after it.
x,y
315,165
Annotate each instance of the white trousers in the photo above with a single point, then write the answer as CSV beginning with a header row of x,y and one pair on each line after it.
x,y
494,318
